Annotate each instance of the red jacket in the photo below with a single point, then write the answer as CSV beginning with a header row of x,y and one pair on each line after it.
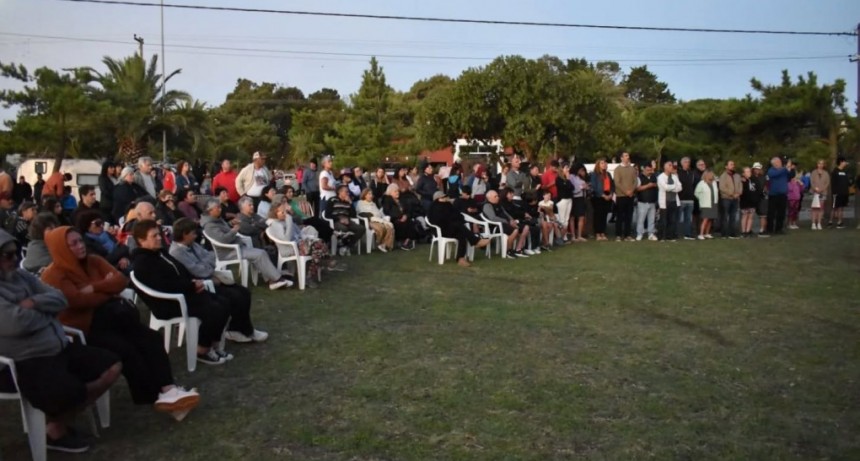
x,y
547,182
228,181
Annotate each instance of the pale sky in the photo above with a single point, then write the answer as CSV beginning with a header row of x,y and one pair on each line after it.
x,y
90,31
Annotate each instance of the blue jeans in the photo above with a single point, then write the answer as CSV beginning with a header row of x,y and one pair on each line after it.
x,y
685,218
728,217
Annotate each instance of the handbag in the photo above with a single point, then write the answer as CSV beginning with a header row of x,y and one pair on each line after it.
x,y
816,200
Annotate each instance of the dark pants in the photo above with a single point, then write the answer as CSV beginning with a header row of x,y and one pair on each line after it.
x,y
728,217
624,218
404,230
238,301
57,384
601,211
463,236
204,306
144,362
776,206
324,231
668,228
314,199
357,230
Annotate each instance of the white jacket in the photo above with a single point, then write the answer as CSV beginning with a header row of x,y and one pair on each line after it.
x,y
706,194
663,186
245,178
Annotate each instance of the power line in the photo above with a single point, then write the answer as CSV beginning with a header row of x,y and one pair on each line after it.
x,y
407,56
466,21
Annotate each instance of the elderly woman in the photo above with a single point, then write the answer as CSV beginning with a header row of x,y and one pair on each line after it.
x,y
100,242
282,226
92,287
381,224
708,196
404,231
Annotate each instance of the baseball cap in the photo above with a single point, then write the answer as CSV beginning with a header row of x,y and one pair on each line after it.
x,y
757,166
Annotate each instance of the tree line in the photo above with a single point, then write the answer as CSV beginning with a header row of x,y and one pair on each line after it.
x,y
542,108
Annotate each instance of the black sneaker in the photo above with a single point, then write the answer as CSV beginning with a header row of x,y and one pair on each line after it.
x,y
840,225
68,443
211,358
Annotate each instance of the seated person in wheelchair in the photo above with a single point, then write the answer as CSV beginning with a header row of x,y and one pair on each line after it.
x,y
54,375
92,287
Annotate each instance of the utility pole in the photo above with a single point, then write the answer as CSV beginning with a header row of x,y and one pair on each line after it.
x,y
139,41
163,89
856,59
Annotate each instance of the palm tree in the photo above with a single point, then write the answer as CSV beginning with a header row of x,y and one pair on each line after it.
x,y
136,109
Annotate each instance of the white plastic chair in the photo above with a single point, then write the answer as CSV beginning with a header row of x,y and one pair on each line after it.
x,y
33,418
498,228
334,238
369,235
443,244
191,325
486,232
227,255
289,252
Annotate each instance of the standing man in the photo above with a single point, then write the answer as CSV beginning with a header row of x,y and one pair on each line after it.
x,y
841,183
22,191
145,178
426,187
625,187
730,193
311,185
688,197
327,185
646,193
777,194
253,178
819,184
668,186
226,178
516,179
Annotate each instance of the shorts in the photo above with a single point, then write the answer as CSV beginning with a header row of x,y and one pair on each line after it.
x,y
508,229
747,211
840,200
57,384
709,213
761,208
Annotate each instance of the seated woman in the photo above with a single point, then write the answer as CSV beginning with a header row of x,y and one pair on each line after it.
x,y
200,263
382,227
54,206
161,272
102,243
38,256
266,201
57,376
323,229
404,230
450,221
188,205
250,223
283,227
92,287
165,210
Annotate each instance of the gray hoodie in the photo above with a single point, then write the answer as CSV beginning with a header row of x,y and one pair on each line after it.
x,y
219,230
29,333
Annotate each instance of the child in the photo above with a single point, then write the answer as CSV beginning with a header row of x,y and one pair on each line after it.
x,y
550,226
795,191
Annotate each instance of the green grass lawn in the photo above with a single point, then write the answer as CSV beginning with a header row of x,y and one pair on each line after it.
x,y
723,350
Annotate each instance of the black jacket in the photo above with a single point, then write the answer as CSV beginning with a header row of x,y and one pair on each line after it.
x,y
161,272
392,208
688,184
840,182
564,188
426,187
124,194
444,215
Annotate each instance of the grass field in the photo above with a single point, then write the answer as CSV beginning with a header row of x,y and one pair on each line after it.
x,y
717,350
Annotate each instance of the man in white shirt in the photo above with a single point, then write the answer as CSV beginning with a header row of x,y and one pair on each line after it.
x,y
669,186
328,186
253,178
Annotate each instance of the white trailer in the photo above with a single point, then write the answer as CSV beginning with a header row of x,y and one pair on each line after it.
x,y
82,171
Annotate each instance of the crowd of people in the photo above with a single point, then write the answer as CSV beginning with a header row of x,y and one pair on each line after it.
x,y
67,261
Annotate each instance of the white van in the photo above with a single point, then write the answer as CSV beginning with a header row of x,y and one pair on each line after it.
x,y
82,171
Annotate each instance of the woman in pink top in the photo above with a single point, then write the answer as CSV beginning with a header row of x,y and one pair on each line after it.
x,y
795,193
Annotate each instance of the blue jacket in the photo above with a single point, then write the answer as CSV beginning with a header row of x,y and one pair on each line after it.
x,y
778,181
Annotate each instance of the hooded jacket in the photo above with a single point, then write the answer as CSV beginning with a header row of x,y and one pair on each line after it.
x,y
29,333
70,275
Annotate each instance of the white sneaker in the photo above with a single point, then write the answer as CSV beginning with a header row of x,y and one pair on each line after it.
x,y
259,336
529,252
382,248
709,236
652,238
639,238
177,399
701,237
237,337
280,283
536,251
